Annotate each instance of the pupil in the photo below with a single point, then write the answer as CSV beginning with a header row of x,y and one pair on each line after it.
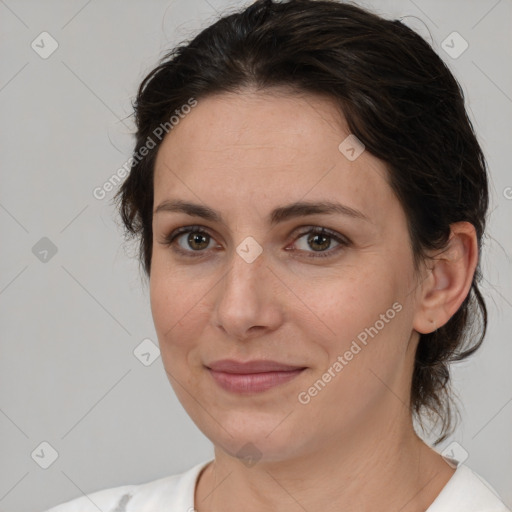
x,y
197,238
325,238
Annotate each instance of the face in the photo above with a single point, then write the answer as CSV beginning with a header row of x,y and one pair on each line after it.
x,y
326,295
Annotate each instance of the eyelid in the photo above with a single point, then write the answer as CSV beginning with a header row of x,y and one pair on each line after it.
x,y
297,233
170,239
340,239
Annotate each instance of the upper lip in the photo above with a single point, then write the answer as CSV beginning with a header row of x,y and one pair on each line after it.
x,y
254,366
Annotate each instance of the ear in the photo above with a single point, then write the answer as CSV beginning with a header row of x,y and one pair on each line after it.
x,y
449,279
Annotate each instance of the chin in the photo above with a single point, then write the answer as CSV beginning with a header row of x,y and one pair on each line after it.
x,y
253,437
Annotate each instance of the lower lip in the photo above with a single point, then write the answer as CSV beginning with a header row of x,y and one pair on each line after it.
x,y
252,382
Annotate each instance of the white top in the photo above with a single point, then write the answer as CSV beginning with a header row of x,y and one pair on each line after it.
x,y
464,492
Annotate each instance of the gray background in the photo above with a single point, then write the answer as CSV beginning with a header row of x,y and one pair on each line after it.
x,y
70,323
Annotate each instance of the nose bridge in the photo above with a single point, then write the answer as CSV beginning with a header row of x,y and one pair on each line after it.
x,y
245,298
247,273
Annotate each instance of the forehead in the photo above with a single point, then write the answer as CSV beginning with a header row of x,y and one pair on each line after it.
x,y
262,148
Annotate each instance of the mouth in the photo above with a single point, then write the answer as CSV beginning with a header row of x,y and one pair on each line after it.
x,y
252,376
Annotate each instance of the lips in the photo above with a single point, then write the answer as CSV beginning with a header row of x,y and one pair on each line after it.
x,y
252,376
255,366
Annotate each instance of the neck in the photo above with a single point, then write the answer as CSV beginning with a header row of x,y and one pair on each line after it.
x,y
387,469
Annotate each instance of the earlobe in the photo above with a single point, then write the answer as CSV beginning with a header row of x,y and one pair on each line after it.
x,y
449,282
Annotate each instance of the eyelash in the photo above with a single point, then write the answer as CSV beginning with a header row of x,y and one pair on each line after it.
x,y
342,241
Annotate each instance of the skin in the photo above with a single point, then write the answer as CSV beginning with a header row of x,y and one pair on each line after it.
x,y
352,447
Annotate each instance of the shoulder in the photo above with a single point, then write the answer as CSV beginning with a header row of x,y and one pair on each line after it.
x,y
175,492
466,491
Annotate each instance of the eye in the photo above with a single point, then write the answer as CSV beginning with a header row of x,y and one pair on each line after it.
x,y
189,240
195,241
320,240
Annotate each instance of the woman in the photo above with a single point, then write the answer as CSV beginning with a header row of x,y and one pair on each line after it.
x,y
309,198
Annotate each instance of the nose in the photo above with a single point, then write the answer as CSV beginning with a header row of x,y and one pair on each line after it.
x,y
247,301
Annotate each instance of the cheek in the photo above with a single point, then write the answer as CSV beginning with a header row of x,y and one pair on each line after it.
x,y
173,306
353,300
366,324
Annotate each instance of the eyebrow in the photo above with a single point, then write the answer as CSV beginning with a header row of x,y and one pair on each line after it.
x,y
280,214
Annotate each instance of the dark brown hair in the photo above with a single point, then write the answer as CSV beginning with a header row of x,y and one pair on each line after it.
x,y
398,97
